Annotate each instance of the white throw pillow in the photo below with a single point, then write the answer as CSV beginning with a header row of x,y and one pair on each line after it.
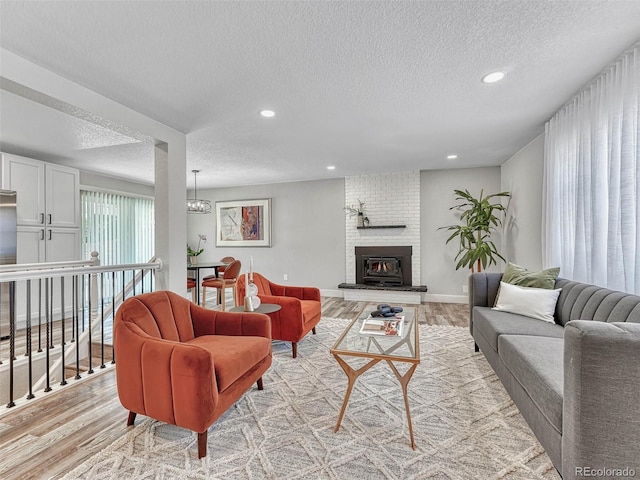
x,y
538,303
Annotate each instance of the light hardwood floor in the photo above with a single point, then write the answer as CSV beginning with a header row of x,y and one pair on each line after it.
x,y
54,434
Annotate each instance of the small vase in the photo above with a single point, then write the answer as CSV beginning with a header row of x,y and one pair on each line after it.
x,y
360,220
193,260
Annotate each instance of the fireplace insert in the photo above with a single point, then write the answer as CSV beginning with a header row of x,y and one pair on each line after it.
x,y
385,270
383,265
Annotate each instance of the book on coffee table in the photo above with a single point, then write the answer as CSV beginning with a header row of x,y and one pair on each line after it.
x,y
390,326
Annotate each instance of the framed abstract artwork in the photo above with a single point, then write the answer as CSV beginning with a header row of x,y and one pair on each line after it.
x,y
243,223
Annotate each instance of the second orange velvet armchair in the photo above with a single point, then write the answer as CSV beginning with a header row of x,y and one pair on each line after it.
x,y
300,311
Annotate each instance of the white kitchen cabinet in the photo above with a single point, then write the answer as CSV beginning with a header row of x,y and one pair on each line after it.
x,y
62,188
39,244
48,194
48,230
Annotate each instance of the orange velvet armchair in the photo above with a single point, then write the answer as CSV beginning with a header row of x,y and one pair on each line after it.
x,y
300,308
184,365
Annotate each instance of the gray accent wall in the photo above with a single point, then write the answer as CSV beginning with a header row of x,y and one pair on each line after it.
x,y
438,259
522,176
307,232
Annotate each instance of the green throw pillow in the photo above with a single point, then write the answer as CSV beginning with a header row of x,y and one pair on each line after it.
x,y
517,275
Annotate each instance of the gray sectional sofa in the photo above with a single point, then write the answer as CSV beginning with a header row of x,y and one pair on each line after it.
x,y
576,382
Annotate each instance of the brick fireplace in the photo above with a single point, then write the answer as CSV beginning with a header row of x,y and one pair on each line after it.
x,y
392,204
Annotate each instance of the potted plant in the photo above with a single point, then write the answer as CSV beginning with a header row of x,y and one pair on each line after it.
x,y
191,253
356,211
480,216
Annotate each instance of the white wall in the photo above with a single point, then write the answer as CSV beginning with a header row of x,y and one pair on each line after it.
x,y
522,176
438,265
307,232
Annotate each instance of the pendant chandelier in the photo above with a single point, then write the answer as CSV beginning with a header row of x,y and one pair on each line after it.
x,y
196,205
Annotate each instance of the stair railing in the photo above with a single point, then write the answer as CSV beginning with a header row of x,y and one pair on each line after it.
x,y
84,302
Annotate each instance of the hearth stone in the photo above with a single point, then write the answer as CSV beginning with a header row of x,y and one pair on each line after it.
x,y
397,288
405,294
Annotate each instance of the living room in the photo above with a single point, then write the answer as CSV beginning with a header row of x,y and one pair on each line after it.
x,y
402,179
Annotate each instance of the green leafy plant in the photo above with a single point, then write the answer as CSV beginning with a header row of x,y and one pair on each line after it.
x,y
194,253
480,216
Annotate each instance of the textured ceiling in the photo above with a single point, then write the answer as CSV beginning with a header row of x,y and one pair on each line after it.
x,y
365,86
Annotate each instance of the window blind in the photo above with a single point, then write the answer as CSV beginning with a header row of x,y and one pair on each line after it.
x,y
119,227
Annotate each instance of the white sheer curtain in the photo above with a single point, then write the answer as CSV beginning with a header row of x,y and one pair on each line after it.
x,y
591,225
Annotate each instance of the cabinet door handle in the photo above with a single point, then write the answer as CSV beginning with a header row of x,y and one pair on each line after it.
x,y
49,219
42,234
42,219
50,235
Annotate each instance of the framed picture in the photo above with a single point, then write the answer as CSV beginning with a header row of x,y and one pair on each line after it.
x,y
243,223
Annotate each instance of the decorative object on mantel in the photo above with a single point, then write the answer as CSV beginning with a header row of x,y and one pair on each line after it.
x,y
195,204
192,255
357,211
474,235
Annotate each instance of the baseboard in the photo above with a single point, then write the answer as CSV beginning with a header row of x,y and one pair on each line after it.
x,y
434,297
327,292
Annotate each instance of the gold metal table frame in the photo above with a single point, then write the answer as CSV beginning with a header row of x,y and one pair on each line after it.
x,y
406,348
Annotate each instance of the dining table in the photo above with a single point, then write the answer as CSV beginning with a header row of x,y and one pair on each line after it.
x,y
202,266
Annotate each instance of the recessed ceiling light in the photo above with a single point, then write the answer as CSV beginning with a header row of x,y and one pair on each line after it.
x,y
331,167
452,157
493,77
267,113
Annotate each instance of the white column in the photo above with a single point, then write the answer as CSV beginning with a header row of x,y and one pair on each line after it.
x,y
171,215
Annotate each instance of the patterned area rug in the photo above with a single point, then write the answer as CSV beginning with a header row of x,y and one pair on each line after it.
x,y
465,425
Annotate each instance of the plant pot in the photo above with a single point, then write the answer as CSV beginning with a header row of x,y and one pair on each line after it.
x,y
193,260
360,220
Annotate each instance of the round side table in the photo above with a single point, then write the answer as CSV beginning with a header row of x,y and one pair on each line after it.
x,y
263,308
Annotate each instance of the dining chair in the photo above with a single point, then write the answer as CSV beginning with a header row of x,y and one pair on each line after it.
x,y
228,280
192,285
220,270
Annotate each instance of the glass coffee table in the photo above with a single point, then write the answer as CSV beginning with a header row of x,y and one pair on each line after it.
x,y
390,348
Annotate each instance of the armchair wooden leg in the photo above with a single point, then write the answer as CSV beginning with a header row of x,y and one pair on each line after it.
x,y
260,385
294,347
202,444
313,330
131,419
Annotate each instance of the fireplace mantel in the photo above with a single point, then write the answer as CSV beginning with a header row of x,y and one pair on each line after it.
x,y
370,227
